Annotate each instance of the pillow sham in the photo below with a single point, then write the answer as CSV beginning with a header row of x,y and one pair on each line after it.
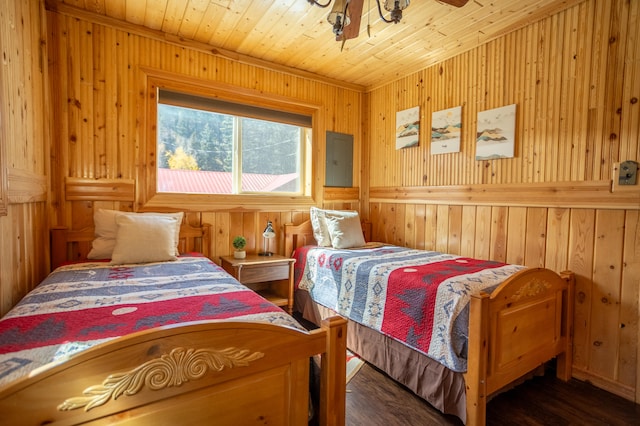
x,y
345,231
144,238
319,226
319,223
105,229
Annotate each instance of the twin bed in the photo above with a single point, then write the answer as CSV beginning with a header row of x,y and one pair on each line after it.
x,y
454,330
160,342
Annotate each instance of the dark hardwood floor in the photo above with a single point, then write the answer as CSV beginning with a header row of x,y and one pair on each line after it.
x,y
375,399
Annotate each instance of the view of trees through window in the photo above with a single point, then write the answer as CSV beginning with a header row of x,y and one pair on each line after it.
x,y
196,153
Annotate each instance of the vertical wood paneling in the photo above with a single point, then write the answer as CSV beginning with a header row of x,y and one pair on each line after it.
x,y
23,135
517,235
483,233
574,78
420,224
431,227
536,237
442,228
498,246
581,245
467,238
569,76
605,307
558,239
455,229
629,295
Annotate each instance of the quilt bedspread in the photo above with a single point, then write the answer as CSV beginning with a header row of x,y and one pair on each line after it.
x,y
417,297
81,305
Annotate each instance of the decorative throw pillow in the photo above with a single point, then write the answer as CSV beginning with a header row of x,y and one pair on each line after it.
x,y
105,229
319,226
144,238
345,231
319,223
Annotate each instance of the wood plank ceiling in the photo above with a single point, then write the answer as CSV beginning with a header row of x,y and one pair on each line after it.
x,y
296,35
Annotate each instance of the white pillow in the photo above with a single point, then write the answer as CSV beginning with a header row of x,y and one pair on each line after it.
x,y
319,223
105,229
345,231
144,238
319,226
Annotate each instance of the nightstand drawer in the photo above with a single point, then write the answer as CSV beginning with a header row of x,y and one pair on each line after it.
x,y
248,274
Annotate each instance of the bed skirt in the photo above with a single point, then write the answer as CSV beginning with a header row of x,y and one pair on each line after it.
x,y
441,387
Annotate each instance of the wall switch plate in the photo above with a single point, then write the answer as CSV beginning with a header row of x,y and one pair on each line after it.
x,y
625,176
628,173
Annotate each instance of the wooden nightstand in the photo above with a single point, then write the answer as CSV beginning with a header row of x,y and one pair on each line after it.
x,y
270,276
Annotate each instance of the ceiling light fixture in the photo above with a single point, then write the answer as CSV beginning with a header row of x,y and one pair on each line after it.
x,y
340,16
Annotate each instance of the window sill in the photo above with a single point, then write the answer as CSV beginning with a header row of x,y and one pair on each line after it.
x,y
214,202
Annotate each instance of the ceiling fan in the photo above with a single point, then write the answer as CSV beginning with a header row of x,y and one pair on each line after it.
x,y
345,28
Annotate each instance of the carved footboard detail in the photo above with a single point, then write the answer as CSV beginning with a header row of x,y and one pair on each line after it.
x,y
169,370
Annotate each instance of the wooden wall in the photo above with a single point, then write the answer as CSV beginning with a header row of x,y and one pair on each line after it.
x,y
97,66
23,144
575,78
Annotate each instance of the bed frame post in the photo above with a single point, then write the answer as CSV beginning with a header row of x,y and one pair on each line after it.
x,y
477,359
333,373
564,361
58,246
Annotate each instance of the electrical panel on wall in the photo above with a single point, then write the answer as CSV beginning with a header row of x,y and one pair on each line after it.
x,y
339,163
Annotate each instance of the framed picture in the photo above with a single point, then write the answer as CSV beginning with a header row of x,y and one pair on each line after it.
x,y
496,134
408,128
446,128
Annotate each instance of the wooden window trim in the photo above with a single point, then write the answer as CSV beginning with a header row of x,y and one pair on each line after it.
x,y
148,197
4,190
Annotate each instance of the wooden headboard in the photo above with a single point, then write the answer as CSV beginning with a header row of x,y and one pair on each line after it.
x,y
72,245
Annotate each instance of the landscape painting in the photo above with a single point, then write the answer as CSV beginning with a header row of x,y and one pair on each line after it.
x,y
446,128
408,128
495,137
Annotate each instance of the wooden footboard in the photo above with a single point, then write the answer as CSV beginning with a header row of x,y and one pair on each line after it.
x,y
525,322
224,373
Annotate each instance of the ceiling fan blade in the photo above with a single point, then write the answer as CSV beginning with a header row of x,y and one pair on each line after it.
x,y
455,3
353,29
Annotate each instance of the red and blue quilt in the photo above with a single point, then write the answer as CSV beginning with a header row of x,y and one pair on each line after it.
x,y
420,298
81,305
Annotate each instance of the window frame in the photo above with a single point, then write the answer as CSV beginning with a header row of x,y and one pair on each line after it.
x,y
147,194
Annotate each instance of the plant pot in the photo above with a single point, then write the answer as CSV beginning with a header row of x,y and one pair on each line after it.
x,y
239,254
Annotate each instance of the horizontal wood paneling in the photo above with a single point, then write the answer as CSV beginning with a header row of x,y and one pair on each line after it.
x,y
78,189
560,194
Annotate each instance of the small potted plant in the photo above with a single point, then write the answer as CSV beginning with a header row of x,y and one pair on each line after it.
x,y
239,243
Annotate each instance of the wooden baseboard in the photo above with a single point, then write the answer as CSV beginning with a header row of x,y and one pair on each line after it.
x,y
626,392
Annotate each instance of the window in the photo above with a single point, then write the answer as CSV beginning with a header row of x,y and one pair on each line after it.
x,y
206,145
